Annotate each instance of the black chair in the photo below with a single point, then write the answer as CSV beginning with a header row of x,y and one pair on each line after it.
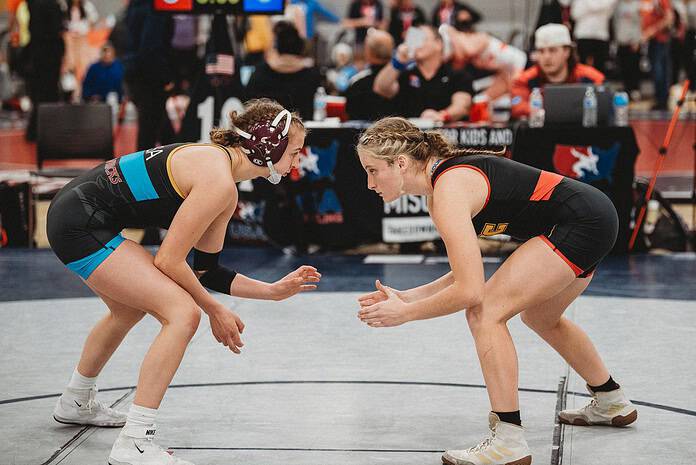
x,y
67,131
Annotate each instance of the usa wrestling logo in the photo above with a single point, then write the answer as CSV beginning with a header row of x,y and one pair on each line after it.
x,y
585,163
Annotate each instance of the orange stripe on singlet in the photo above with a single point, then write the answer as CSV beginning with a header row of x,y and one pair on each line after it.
x,y
545,185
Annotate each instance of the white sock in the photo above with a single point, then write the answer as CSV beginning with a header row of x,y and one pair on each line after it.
x,y
141,416
81,382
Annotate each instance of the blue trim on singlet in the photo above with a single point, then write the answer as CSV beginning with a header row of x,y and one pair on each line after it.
x,y
85,266
133,169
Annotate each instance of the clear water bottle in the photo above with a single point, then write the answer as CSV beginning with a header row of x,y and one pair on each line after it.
x,y
112,101
537,114
320,104
621,109
589,108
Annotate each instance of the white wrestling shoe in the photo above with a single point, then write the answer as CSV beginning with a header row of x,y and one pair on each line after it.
x,y
135,446
505,446
73,409
606,408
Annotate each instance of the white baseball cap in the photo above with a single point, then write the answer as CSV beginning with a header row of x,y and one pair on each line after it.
x,y
552,35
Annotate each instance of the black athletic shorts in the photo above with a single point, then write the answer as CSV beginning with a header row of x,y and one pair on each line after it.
x,y
587,228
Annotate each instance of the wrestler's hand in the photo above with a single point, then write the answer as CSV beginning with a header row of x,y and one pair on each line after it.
x,y
373,297
389,311
295,282
227,328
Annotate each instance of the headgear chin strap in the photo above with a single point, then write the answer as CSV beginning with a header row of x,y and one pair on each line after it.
x,y
265,142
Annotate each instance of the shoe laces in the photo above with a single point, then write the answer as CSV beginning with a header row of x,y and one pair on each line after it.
x,y
93,405
483,445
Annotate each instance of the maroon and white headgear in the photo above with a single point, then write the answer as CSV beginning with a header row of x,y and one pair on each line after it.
x,y
265,142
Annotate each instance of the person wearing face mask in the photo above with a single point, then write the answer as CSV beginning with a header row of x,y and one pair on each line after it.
x,y
457,14
403,15
566,226
190,190
556,63
421,84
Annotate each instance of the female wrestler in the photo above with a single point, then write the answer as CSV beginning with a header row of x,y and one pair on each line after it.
x,y
568,227
190,190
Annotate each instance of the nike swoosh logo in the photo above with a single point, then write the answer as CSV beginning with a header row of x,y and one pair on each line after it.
x,y
136,446
78,404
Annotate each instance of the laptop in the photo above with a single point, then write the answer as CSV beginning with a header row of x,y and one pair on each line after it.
x,y
563,104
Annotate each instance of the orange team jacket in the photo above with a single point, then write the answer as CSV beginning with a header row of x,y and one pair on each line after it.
x,y
523,84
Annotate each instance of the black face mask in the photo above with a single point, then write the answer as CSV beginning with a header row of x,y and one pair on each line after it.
x,y
464,26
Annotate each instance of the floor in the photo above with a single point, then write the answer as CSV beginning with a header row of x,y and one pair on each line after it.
x,y
314,386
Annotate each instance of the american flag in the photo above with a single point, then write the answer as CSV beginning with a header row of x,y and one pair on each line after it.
x,y
218,63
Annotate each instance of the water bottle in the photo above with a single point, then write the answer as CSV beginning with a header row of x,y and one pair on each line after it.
x,y
621,109
589,108
320,104
112,101
537,114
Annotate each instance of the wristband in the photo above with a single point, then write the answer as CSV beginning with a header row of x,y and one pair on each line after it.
x,y
218,279
399,66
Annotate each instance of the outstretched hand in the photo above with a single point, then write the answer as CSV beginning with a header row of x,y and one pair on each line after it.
x,y
294,282
383,307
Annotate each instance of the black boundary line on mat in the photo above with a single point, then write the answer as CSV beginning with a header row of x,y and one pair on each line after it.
x,y
82,434
302,449
398,383
558,427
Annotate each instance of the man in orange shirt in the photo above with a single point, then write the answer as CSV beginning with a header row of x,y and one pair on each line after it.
x,y
556,63
656,20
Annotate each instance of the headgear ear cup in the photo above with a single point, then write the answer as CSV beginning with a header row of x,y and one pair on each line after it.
x,y
265,142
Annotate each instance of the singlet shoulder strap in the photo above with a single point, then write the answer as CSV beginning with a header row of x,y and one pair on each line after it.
x,y
446,164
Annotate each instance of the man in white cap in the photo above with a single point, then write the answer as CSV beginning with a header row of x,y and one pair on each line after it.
x,y
555,63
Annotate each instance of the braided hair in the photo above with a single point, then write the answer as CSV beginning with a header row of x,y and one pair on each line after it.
x,y
255,110
390,137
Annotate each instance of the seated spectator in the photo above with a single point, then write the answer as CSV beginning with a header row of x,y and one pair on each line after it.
x,y
404,14
286,76
362,103
426,87
364,14
459,15
344,69
103,77
556,64
486,54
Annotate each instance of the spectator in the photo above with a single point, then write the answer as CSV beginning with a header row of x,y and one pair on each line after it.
x,y
258,39
656,20
311,9
592,30
484,53
678,41
364,14
404,14
286,76
184,49
428,87
556,64
82,16
46,49
103,77
459,15
628,37
340,75
362,102
691,43
148,68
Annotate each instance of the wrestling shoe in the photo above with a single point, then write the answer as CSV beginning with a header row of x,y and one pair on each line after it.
x,y
135,446
505,446
74,408
605,408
